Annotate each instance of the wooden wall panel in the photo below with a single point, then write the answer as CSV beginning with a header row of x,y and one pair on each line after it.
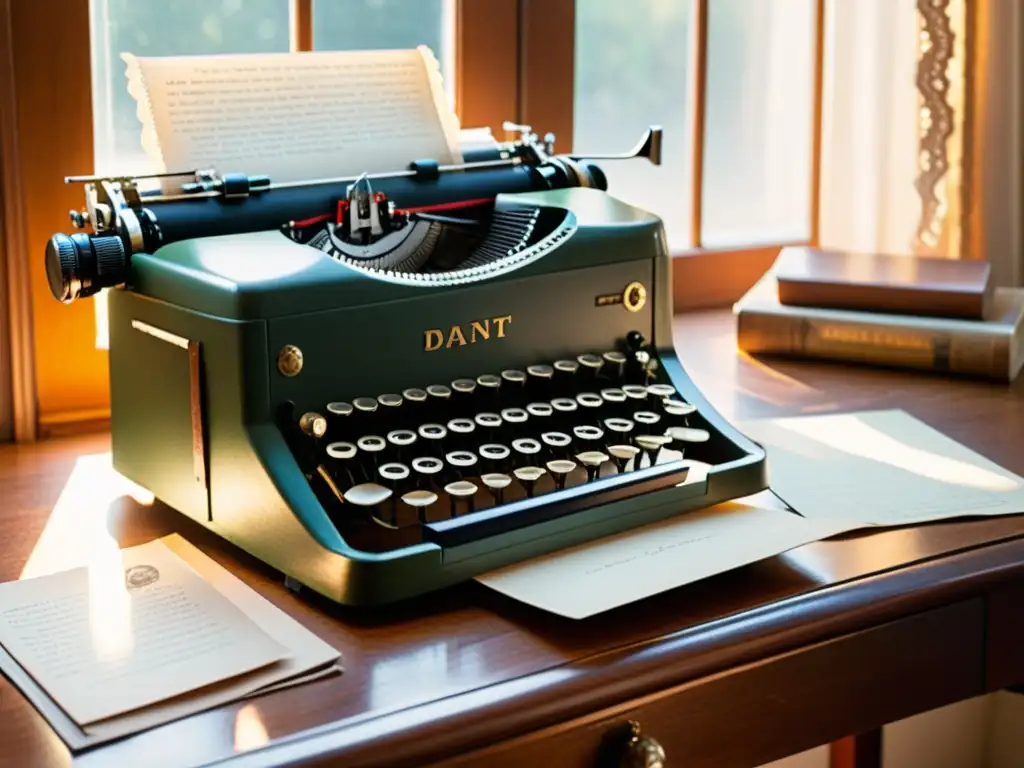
x,y
55,139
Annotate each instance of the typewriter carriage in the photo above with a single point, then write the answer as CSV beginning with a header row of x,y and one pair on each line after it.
x,y
199,379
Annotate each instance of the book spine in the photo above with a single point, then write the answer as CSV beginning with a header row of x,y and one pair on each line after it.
x,y
938,349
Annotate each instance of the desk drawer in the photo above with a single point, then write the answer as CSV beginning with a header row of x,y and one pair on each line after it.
x,y
764,711
1005,638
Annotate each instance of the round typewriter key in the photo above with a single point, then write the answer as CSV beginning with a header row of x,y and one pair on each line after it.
x,y
389,401
647,418
661,391
339,409
372,445
592,462
589,402
438,402
587,436
651,446
439,391
556,442
635,392
495,454
677,408
526,446
566,366
494,451
528,477
539,410
496,483
488,423
514,419
613,395
393,472
513,376
460,458
402,437
489,381
515,415
420,500
365,404
367,494
433,435
313,424
560,469
565,413
622,455
459,431
538,381
464,386
341,451
432,432
619,426
427,465
563,404
462,490
400,440
617,363
415,395
688,434
590,366
540,371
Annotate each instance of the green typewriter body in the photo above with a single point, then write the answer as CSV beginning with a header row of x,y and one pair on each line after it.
x,y
378,430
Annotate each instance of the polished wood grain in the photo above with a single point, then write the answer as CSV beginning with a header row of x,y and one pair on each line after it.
x,y
1004,630
466,669
769,709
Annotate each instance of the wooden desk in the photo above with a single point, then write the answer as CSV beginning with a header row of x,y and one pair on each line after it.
x,y
834,638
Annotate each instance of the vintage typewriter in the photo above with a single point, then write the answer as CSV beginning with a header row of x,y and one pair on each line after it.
x,y
384,385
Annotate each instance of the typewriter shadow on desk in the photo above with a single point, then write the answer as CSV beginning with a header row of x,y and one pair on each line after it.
x,y
98,511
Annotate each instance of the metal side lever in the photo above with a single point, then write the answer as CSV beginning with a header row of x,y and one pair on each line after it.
x,y
649,146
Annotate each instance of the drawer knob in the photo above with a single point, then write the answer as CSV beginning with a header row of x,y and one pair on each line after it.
x,y
642,751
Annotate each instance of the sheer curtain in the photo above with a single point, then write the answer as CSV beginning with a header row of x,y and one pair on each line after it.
x,y
870,126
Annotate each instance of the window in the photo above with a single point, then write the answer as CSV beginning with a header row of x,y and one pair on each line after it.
x,y
635,65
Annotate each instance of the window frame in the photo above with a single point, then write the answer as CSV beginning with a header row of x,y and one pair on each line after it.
x,y
702,277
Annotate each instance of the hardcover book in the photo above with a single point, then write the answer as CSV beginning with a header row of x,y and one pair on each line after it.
x,y
991,348
874,282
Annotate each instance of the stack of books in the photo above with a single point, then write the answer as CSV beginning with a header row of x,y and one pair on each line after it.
x,y
921,313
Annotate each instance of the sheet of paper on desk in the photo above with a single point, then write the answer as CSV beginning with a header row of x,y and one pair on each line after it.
x,y
104,641
880,468
592,578
307,657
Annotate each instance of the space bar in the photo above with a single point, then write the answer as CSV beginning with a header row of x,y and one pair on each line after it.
x,y
526,512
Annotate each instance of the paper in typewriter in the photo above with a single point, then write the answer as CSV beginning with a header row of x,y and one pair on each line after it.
x,y
880,468
293,116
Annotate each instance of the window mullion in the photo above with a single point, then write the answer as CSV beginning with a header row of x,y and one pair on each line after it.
x,y
301,25
698,98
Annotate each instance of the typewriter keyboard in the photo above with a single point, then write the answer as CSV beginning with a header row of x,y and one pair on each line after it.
x,y
457,460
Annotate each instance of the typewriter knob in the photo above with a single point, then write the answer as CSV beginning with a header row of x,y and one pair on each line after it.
x,y
80,265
